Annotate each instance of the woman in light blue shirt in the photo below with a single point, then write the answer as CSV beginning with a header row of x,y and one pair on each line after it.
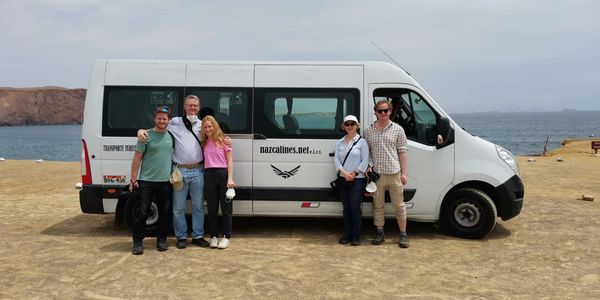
x,y
351,162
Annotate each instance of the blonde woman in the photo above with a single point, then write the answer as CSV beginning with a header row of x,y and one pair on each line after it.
x,y
218,177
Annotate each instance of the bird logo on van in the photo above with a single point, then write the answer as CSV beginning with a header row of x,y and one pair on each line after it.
x,y
285,174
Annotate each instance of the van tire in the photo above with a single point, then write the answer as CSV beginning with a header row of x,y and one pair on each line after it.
x,y
468,213
131,211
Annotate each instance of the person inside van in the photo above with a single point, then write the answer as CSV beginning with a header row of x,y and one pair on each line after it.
x,y
153,160
388,145
218,178
351,162
207,111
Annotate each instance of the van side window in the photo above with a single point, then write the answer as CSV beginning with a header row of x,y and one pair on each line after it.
x,y
412,112
303,113
230,106
127,109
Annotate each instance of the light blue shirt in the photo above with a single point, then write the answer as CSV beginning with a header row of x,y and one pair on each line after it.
x,y
187,150
358,159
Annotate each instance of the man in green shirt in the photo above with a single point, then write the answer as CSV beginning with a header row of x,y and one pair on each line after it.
x,y
152,180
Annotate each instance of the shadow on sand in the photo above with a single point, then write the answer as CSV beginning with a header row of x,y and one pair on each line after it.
x,y
265,227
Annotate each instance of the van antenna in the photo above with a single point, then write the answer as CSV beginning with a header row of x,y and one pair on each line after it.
x,y
394,61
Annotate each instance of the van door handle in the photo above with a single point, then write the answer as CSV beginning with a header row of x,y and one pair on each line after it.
x,y
331,154
258,136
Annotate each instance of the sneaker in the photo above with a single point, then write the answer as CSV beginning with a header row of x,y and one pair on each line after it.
x,y
345,239
379,238
355,242
200,242
214,242
403,243
161,245
138,248
182,243
223,243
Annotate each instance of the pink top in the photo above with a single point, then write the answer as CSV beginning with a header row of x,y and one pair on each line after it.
x,y
214,156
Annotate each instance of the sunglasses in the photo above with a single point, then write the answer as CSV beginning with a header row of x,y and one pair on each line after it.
x,y
348,124
383,111
163,109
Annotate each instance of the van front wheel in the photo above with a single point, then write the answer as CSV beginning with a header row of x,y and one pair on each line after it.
x,y
132,212
468,213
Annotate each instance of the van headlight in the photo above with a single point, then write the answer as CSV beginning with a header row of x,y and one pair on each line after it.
x,y
508,158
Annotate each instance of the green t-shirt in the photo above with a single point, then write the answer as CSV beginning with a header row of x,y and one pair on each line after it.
x,y
156,161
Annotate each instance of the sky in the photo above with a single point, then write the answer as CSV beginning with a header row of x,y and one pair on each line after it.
x,y
471,56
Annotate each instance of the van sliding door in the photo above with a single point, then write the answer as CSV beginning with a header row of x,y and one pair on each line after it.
x,y
297,115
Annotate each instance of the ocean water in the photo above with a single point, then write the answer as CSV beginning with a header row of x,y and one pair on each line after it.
x,y
525,133
521,133
48,142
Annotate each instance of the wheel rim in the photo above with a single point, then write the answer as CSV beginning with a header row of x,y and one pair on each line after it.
x,y
153,215
467,214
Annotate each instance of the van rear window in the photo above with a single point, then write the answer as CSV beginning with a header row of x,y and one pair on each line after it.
x,y
127,109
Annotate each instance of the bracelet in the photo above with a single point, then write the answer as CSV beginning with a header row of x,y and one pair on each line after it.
x,y
132,182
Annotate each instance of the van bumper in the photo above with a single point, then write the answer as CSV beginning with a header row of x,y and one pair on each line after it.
x,y
510,198
91,195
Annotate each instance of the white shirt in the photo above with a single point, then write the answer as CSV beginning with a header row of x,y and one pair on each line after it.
x,y
187,149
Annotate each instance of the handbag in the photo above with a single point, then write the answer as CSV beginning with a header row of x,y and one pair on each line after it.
x,y
340,180
176,179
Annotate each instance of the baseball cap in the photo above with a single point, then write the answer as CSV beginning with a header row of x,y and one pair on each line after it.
x,y
350,118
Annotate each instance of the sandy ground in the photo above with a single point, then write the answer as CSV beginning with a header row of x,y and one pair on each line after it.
x,y
551,250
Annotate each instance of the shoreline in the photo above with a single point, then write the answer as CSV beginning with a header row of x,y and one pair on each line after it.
x,y
564,146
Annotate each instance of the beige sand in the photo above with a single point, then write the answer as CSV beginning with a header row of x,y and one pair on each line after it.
x,y
551,250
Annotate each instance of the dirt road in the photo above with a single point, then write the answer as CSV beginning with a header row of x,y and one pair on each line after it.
x,y
551,250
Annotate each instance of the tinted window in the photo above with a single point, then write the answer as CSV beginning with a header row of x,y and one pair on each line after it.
x,y
230,106
127,109
303,113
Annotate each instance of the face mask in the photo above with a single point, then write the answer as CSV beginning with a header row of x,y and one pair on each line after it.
x,y
192,118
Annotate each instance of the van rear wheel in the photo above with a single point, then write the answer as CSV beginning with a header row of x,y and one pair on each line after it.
x,y
468,213
132,211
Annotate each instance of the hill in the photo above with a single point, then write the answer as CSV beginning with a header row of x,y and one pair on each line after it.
x,y
41,106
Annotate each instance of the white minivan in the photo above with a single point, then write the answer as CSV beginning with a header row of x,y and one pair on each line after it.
x,y
284,120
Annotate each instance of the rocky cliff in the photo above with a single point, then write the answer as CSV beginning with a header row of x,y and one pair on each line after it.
x,y
41,106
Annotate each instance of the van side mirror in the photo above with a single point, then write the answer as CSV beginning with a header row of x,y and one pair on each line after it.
x,y
445,133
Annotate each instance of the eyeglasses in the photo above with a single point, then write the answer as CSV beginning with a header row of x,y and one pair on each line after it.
x,y
348,124
383,111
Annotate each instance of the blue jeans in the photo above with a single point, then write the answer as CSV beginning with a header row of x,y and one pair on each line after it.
x,y
193,182
352,197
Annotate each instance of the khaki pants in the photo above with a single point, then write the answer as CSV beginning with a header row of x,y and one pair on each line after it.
x,y
391,183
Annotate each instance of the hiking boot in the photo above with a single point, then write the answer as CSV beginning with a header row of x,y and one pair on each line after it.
x,y
403,243
345,239
355,242
182,243
138,248
214,242
161,245
379,238
223,243
200,242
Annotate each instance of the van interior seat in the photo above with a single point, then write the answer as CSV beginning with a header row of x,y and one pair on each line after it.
x,y
291,124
